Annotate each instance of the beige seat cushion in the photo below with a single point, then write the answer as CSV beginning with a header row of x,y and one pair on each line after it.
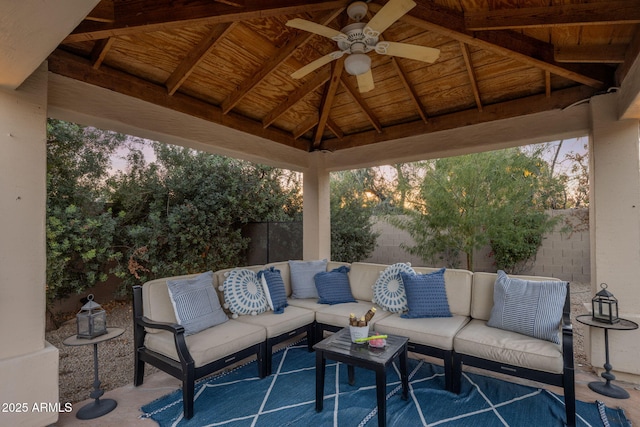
x,y
278,324
478,339
211,344
436,332
338,314
307,303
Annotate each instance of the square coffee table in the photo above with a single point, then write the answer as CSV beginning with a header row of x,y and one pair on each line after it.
x,y
339,347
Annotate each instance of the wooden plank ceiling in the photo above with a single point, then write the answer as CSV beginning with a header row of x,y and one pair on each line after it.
x,y
230,62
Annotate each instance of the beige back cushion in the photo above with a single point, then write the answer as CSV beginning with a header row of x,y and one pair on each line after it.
x,y
458,284
482,295
362,277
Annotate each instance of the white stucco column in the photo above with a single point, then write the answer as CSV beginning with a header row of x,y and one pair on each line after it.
x,y
28,364
316,215
615,229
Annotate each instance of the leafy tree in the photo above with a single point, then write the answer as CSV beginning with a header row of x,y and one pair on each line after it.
x,y
470,201
79,228
352,203
184,213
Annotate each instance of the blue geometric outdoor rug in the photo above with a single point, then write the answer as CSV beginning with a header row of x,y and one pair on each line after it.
x,y
287,398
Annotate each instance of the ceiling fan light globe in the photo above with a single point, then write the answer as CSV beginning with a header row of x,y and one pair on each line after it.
x,y
357,63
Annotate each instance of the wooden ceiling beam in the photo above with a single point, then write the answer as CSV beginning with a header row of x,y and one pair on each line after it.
x,y
519,107
599,13
284,53
103,12
100,50
334,128
305,127
528,50
137,16
361,103
413,96
547,84
292,99
327,100
74,67
472,74
195,56
605,54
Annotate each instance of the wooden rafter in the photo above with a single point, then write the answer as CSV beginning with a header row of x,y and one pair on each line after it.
x,y
327,100
283,54
528,50
361,103
69,65
604,54
305,126
598,13
103,12
413,96
547,84
100,50
292,99
195,56
528,105
472,74
162,15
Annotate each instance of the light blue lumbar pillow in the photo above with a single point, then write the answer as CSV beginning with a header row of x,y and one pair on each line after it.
x,y
426,295
243,293
195,303
333,286
529,307
388,291
274,290
302,275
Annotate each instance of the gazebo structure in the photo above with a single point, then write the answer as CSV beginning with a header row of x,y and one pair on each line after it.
x,y
216,75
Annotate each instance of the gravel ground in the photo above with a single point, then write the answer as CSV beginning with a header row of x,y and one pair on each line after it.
x,y
116,356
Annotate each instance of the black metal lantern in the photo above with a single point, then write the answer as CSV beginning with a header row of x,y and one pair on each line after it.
x,y
604,306
91,320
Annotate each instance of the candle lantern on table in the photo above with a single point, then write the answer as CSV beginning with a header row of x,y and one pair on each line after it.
x,y
604,306
91,320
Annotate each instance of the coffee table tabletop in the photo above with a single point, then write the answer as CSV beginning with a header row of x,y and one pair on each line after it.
x,y
339,347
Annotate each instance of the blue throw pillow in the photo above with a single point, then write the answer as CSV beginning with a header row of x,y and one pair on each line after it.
x,y
426,295
532,308
273,287
196,303
333,286
243,293
302,274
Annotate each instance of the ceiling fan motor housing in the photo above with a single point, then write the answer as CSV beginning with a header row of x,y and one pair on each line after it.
x,y
357,41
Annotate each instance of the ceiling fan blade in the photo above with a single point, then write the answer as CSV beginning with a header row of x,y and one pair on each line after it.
x,y
365,81
390,13
312,27
410,51
314,65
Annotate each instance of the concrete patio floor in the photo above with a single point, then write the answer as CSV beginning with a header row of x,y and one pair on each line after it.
x,y
131,398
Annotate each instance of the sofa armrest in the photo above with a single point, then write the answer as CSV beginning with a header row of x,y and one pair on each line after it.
x,y
171,327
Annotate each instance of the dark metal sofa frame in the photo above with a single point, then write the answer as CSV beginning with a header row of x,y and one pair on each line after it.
x,y
566,379
184,369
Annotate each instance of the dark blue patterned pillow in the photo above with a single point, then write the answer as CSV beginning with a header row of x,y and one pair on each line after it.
x,y
528,307
333,286
274,290
426,295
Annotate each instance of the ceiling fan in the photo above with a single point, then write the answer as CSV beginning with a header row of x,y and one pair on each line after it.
x,y
359,38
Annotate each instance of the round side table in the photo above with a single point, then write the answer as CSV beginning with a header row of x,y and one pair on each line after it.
x,y
99,407
606,388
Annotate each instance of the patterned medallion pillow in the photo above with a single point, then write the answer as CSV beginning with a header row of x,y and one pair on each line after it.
x,y
243,293
388,291
426,295
195,303
274,290
333,286
528,307
302,275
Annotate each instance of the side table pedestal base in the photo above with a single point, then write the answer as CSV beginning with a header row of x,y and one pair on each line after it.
x,y
96,409
608,389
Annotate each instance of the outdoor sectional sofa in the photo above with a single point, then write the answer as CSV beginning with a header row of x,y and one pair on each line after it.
x,y
463,338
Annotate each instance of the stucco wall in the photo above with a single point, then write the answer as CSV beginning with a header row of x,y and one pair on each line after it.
x,y
565,256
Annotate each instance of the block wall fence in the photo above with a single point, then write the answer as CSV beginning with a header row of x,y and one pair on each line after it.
x,y
565,256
